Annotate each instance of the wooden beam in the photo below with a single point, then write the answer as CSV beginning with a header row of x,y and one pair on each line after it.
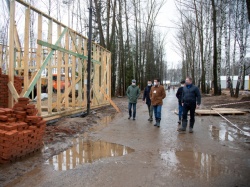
x,y
50,81
110,100
38,64
73,74
11,50
26,49
85,73
55,47
63,95
73,38
59,69
80,75
13,91
39,72
66,89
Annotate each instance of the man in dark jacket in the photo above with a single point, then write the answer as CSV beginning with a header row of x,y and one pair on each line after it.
x,y
191,99
146,96
179,97
133,93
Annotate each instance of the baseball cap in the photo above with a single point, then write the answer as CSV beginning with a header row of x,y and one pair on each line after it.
x,y
134,80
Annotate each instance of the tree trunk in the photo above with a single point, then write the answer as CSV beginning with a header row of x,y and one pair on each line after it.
x,y
215,50
99,22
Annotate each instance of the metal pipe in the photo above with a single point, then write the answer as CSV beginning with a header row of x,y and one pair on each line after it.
x,y
89,57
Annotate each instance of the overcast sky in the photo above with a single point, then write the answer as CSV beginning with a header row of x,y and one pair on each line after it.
x,y
168,14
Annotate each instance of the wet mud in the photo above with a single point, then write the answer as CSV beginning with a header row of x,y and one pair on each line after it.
x,y
111,150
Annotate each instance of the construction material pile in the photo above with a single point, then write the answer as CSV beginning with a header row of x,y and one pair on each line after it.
x,y
4,79
21,131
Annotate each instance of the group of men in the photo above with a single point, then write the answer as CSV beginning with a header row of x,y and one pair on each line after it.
x,y
188,95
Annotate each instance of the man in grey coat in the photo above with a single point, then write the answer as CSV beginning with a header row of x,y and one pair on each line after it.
x,y
133,93
191,99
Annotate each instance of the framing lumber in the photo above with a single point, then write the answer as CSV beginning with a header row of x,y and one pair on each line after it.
x,y
38,63
201,112
110,100
11,50
13,91
59,69
67,55
39,72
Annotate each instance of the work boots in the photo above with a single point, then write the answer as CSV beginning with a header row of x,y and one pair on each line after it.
x,y
157,124
183,127
150,118
191,125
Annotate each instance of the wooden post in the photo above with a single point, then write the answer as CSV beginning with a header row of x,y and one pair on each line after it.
x,y
73,74
50,83
59,69
11,50
26,49
66,89
109,75
80,65
38,64
85,74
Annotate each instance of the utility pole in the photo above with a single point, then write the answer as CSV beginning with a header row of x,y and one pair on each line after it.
x,y
89,57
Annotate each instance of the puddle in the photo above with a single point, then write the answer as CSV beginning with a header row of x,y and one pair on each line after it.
x,y
86,152
220,133
226,133
190,164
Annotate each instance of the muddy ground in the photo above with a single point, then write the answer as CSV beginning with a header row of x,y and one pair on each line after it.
x,y
88,151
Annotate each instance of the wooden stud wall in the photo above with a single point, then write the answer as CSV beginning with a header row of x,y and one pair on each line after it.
x,y
67,57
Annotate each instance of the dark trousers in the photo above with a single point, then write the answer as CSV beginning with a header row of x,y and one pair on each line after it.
x,y
130,105
188,107
150,110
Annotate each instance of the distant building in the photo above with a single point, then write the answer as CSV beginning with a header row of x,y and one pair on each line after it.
x,y
223,80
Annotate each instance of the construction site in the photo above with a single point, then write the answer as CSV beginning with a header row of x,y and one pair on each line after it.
x,y
60,126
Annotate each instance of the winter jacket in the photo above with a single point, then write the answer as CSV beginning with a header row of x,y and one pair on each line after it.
x,y
157,94
191,95
146,95
133,93
179,94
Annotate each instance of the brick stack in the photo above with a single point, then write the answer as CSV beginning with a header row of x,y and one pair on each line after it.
x,y
21,131
3,90
18,81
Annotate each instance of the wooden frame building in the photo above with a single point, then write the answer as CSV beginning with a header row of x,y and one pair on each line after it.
x,y
58,59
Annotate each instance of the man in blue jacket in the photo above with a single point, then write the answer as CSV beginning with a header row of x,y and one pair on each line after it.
x,y
191,99
146,96
133,93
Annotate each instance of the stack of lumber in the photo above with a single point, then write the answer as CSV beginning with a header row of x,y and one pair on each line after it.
x,y
223,111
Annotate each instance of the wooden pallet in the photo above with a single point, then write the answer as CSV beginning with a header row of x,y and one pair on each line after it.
x,y
222,111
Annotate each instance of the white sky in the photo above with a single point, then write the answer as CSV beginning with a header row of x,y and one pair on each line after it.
x,y
167,16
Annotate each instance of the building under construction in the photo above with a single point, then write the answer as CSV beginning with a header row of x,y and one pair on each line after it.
x,y
51,66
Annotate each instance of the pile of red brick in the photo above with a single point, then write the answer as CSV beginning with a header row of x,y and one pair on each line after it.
x,y
18,81
4,88
21,131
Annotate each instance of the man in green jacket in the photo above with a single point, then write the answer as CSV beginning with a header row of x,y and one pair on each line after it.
x,y
133,93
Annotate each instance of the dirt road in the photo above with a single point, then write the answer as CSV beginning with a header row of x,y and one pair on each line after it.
x,y
216,154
